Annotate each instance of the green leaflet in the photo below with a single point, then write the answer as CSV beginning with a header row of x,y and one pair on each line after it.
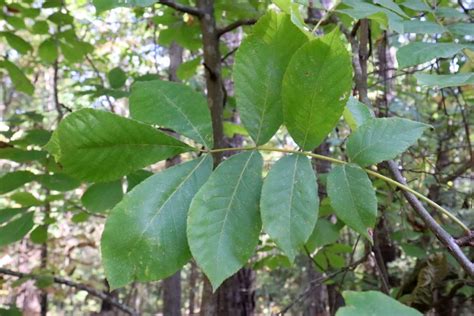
x,y
58,182
420,52
145,235
357,113
20,155
14,180
104,5
443,81
39,235
101,197
21,82
315,89
100,146
422,27
16,229
117,77
7,213
37,137
373,303
289,203
462,29
353,197
362,9
260,64
324,233
25,199
382,139
48,50
135,178
17,43
224,222
172,105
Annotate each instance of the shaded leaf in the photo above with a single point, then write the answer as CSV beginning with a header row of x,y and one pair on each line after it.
x,y
101,197
104,5
353,197
39,235
14,180
21,82
420,52
324,233
422,27
135,178
20,155
48,50
17,43
443,81
117,77
59,182
357,113
25,199
8,213
16,229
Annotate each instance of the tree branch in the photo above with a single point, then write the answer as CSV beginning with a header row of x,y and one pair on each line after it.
x,y
316,282
181,8
234,25
78,286
446,239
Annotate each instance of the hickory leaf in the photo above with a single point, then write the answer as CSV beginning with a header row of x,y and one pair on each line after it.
x,y
15,179
264,54
353,197
289,203
443,81
101,197
172,105
16,229
421,52
382,139
316,86
100,146
224,222
373,303
145,235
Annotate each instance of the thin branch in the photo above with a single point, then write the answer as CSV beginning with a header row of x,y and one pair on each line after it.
x,y
181,8
446,239
92,291
316,282
466,241
97,73
234,25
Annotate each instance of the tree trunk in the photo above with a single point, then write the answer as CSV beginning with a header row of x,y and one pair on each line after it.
x,y
172,284
235,296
